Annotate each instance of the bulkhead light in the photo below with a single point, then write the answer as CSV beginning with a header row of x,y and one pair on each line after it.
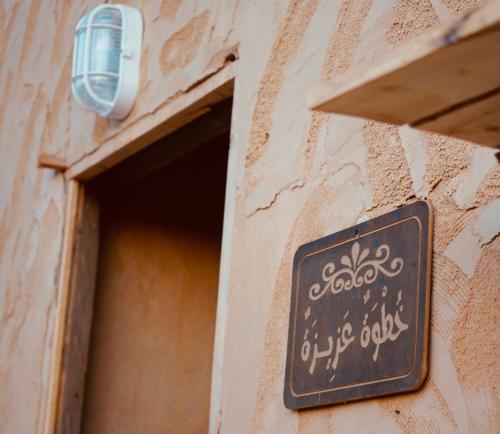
x,y
106,59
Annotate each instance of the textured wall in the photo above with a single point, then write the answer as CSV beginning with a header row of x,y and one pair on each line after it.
x,y
184,43
294,176
303,175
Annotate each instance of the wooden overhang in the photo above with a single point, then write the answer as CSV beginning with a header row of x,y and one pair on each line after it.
x,y
446,81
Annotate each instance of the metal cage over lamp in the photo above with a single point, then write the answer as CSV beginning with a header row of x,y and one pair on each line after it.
x,y
106,59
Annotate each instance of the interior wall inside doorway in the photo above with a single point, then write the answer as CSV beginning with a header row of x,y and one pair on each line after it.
x,y
151,347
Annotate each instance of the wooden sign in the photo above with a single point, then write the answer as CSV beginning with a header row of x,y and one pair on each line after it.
x,y
359,311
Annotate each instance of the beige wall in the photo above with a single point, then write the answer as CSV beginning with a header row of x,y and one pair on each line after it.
x,y
293,176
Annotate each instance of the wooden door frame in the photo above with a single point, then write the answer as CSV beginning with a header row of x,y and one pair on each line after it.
x,y
203,106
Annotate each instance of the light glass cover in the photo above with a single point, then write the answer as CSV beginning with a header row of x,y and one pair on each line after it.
x,y
99,61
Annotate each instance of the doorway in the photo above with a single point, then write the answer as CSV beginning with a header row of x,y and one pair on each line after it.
x,y
151,346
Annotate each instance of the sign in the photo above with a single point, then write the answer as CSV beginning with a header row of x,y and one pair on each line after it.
x,y
359,313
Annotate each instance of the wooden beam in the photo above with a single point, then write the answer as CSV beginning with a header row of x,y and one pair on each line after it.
x,y
46,161
70,229
78,322
168,118
215,123
477,121
452,66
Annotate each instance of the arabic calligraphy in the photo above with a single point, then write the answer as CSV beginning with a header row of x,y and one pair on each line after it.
x,y
343,340
358,270
387,326
379,332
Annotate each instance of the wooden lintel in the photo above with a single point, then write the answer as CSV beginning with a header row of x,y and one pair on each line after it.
x,y
166,119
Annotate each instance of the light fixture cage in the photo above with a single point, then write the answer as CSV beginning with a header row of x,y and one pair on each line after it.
x,y
106,59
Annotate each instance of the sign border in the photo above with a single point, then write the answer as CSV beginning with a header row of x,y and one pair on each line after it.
x,y
413,379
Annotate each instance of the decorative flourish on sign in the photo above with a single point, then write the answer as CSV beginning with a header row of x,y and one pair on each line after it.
x,y
358,270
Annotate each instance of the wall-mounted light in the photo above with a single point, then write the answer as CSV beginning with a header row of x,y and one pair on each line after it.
x,y
106,59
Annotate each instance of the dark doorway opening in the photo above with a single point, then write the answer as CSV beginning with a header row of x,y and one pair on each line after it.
x,y
161,215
